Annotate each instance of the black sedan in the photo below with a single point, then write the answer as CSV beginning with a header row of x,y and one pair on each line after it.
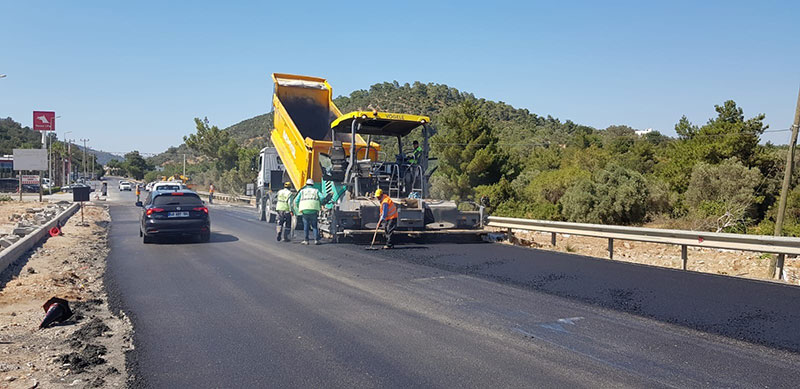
x,y
174,214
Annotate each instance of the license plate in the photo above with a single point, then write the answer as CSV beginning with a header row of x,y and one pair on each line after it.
x,y
178,214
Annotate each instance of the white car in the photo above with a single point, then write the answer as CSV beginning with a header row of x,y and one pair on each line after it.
x,y
125,185
168,185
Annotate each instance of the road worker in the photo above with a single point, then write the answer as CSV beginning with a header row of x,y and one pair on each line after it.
x,y
416,153
388,216
309,202
211,192
284,212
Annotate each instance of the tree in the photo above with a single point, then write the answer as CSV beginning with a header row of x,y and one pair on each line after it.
x,y
721,196
135,165
728,135
614,195
214,143
468,152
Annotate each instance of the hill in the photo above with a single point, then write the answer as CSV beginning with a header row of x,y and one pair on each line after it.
x,y
518,128
103,157
14,136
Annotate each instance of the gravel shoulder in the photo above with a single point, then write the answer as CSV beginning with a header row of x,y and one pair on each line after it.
x,y
87,350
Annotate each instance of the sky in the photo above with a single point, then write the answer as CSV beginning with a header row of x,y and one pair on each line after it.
x,y
133,75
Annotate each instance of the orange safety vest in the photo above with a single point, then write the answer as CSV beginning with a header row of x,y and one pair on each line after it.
x,y
211,189
392,211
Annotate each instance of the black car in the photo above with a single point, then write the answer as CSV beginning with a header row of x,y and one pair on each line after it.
x,y
173,214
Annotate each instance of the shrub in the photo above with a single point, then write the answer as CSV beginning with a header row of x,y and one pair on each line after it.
x,y
614,195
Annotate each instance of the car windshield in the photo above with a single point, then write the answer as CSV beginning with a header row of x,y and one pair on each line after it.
x,y
185,199
168,187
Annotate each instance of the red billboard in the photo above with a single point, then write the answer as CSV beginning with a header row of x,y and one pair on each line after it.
x,y
44,121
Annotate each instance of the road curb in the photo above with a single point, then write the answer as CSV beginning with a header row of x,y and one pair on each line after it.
x,y
12,253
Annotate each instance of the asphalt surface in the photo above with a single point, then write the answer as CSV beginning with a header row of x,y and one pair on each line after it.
x,y
247,311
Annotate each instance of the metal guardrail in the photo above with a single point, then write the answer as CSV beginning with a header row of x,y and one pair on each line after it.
x,y
758,243
229,198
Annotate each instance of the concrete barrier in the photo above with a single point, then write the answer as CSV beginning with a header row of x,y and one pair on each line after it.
x,y
10,254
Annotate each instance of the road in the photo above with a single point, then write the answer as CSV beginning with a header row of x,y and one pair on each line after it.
x,y
247,311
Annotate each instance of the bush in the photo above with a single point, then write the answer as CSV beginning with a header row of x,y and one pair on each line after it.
x,y
614,195
528,210
722,197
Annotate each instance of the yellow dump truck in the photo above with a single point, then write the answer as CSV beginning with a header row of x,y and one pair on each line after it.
x,y
313,139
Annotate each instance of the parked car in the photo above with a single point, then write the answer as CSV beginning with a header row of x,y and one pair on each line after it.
x,y
174,214
69,188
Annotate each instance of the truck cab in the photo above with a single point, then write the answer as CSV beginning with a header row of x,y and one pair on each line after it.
x,y
270,179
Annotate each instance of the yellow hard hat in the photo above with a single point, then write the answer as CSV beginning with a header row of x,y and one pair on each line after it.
x,y
378,192
287,184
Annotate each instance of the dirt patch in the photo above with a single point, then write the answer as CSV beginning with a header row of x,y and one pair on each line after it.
x,y
88,349
716,261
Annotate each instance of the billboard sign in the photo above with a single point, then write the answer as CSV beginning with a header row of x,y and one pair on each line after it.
x,y
30,180
44,121
30,159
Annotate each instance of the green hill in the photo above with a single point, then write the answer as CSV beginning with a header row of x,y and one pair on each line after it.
x,y
518,128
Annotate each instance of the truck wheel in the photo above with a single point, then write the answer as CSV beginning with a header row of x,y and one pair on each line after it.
x,y
260,208
271,216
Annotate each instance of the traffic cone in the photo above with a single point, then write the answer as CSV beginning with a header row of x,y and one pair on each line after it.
x,y
57,310
55,231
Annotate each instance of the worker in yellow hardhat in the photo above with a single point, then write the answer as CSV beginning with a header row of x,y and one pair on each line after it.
x,y
388,216
284,210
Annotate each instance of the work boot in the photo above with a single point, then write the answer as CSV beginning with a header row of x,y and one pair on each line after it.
x,y
387,247
304,242
316,242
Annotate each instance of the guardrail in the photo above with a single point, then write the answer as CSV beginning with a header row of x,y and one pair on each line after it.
x,y
229,198
779,245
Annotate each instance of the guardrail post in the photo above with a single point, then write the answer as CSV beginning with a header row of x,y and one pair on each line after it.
x,y
553,238
610,248
684,255
779,266
510,235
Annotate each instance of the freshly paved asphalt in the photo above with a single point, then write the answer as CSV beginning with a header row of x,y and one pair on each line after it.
x,y
247,311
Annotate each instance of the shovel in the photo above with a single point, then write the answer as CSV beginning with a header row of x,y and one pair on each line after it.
x,y
375,235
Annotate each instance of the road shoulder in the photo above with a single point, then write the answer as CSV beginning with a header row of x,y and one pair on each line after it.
x,y
88,349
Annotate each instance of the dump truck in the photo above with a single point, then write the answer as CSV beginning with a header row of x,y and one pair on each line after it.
x,y
313,139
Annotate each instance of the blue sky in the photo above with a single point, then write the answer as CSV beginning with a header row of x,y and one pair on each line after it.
x,y
132,75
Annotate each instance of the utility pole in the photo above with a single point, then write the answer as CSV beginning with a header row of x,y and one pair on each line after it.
x,y
787,178
184,165
84,158
69,161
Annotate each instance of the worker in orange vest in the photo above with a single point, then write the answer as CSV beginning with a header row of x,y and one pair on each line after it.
x,y
211,193
388,216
